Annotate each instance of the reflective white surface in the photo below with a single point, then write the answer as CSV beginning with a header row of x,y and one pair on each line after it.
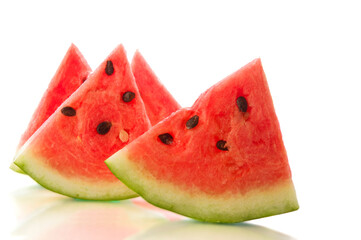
x,y
310,51
64,218
42,214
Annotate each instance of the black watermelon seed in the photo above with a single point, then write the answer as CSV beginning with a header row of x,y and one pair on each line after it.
x,y
242,104
166,138
221,145
68,111
104,127
109,69
128,96
192,122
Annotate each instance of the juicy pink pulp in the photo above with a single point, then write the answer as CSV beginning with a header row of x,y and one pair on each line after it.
x,y
71,145
71,73
158,102
256,156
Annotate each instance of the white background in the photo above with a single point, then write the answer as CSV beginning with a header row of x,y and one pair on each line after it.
x,y
311,55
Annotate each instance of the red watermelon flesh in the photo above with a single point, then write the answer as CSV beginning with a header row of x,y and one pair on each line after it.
x,y
71,73
159,103
222,160
67,153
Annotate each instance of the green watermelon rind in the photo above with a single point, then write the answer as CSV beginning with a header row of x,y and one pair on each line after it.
x,y
225,208
16,168
74,188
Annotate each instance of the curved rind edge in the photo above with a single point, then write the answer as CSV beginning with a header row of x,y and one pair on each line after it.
x,y
226,208
75,188
15,168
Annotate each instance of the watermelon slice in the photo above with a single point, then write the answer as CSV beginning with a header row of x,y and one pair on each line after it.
x,y
222,160
72,72
159,103
67,153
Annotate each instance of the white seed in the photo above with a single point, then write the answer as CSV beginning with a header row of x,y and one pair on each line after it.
x,y
123,136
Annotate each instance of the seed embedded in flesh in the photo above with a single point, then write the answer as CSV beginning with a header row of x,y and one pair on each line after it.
x,y
123,136
68,111
242,104
109,69
192,122
221,145
83,80
166,138
128,96
104,127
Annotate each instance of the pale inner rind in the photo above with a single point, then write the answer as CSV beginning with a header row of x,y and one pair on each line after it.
x,y
262,202
75,187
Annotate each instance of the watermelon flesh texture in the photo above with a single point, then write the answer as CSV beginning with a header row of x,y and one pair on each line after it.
x,y
159,103
67,153
71,73
231,166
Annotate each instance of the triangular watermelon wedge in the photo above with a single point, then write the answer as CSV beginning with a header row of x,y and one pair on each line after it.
x,y
159,103
71,73
222,160
67,153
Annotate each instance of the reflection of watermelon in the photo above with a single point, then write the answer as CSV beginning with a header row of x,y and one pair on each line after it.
x,y
180,230
71,73
65,218
67,153
158,102
223,160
